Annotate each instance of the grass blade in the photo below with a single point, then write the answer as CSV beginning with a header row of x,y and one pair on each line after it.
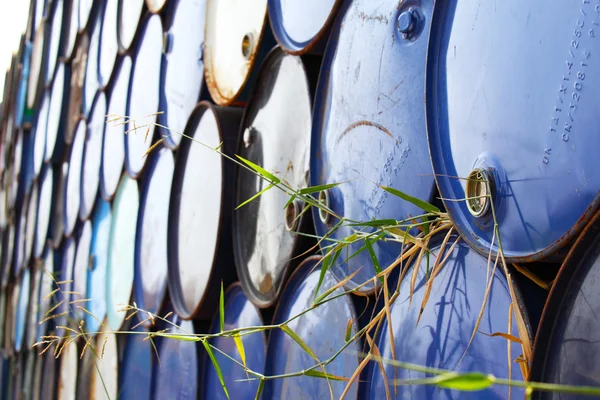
x,y
374,259
261,386
288,331
328,261
183,338
255,196
417,202
216,365
240,347
319,374
222,309
469,382
260,170
316,189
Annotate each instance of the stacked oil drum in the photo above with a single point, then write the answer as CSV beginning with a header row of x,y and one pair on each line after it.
x,y
124,124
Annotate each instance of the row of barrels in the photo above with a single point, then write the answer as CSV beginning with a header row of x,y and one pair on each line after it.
x,y
99,187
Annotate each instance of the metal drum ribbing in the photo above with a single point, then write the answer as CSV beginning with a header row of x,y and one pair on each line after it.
x,y
55,39
265,244
57,114
30,227
104,378
64,312
80,271
130,13
109,45
71,26
21,311
42,230
199,246
76,87
48,387
121,251
113,154
39,133
234,33
438,334
135,370
369,126
96,282
302,26
566,350
57,224
92,79
47,286
522,134
156,6
324,339
92,156
239,313
36,77
151,262
67,373
144,96
72,196
183,66
87,13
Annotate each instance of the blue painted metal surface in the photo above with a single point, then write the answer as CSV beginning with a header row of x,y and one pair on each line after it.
x,y
446,325
56,113
151,262
71,27
527,124
325,339
108,41
80,271
183,66
44,206
39,133
135,369
144,95
369,125
87,12
130,13
299,25
96,282
239,313
25,173
36,78
72,196
21,312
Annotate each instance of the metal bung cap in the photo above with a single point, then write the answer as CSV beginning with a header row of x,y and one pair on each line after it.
x,y
200,213
72,196
130,13
104,377
76,86
56,113
81,269
54,50
301,26
285,356
109,45
265,241
151,262
115,128
67,373
39,133
144,96
36,78
97,278
44,213
121,252
375,139
135,369
529,126
156,6
92,78
183,69
234,31
92,156
21,311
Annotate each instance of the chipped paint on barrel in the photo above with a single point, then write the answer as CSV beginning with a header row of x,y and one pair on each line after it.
x,y
76,87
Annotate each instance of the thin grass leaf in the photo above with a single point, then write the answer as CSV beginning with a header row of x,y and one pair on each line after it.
x,y
260,170
417,202
294,336
183,338
255,196
348,335
504,335
468,382
374,259
290,201
319,374
316,189
216,365
222,309
355,376
328,261
240,347
261,386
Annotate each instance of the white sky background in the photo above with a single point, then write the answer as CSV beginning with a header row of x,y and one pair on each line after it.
x,y
13,21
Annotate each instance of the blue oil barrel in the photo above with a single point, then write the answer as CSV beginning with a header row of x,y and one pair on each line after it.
x,y
47,286
15,169
369,125
121,251
115,128
39,133
135,369
21,294
144,94
81,267
44,206
519,134
441,336
109,45
76,87
36,79
65,259
8,243
151,262
130,13
92,156
239,313
566,351
156,6
67,371
105,371
266,245
72,196
54,49
97,278
284,355
25,173
200,211
302,26
183,65
92,79
56,114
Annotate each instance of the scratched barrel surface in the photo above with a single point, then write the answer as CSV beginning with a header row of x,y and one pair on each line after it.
x,y
72,196
201,205
369,125
135,369
284,355
239,313
130,13
265,243
439,335
521,134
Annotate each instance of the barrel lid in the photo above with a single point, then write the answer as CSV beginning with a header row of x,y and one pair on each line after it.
x,y
67,373
36,80
135,371
46,288
96,282
86,14
71,28
44,210
39,144
72,196
120,266
130,13
80,271
156,6
114,137
183,66
54,48
66,260
234,31
92,79
382,141
446,324
239,313
55,111
540,160
109,46
32,214
92,157
76,86
144,96
151,262
298,24
264,245
285,356
104,378
21,311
